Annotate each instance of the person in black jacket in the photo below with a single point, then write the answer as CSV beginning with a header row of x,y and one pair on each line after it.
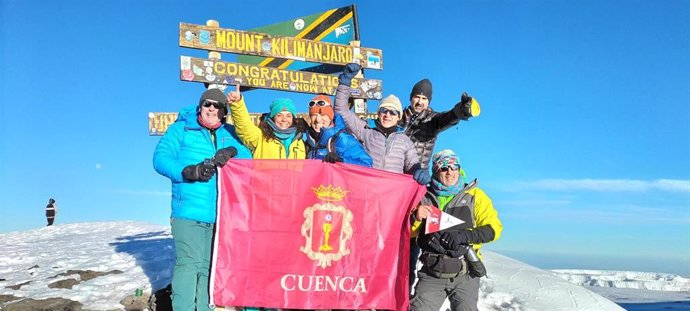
x,y
423,125
51,211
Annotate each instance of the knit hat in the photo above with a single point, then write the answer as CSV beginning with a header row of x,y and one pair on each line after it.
x,y
423,87
445,158
215,95
391,102
326,109
282,104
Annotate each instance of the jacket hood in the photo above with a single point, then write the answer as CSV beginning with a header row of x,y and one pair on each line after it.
x,y
188,116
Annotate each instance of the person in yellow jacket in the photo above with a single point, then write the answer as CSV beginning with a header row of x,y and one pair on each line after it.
x,y
446,255
279,134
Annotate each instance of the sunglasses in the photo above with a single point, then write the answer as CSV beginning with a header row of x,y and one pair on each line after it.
x,y
392,112
448,168
319,103
209,103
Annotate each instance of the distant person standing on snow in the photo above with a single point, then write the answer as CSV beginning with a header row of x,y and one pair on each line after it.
x,y
51,211
188,154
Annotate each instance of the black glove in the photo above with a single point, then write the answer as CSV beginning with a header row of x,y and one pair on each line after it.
x,y
422,176
332,157
451,241
430,242
223,155
475,267
454,239
464,107
349,72
199,172
458,252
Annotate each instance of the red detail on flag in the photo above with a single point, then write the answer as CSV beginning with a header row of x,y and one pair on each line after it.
x,y
267,214
433,221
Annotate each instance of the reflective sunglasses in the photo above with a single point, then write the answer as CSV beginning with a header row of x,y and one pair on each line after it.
x,y
392,112
447,168
208,103
319,103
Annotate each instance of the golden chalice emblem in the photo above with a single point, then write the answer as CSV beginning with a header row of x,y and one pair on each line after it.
x,y
327,226
334,221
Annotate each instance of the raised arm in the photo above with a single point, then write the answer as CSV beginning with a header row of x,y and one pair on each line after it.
x,y
355,125
463,110
246,130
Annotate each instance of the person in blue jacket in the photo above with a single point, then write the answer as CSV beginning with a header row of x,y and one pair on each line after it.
x,y
328,140
188,154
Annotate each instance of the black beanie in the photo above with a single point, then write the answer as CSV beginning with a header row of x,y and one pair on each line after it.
x,y
422,87
215,95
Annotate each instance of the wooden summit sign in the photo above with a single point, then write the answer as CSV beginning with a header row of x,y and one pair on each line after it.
x,y
263,44
220,72
160,121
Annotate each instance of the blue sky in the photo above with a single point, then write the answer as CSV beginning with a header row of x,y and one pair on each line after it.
x,y
583,142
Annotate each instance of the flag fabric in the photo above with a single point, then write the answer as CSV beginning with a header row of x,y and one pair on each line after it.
x,y
303,234
439,220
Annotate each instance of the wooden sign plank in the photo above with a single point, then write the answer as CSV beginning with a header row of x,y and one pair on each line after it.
x,y
263,44
229,73
160,121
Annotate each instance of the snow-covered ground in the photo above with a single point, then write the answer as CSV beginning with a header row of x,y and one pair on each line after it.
x,y
635,290
626,279
138,255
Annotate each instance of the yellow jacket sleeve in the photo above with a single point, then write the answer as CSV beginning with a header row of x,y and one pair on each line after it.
x,y
485,213
416,226
246,130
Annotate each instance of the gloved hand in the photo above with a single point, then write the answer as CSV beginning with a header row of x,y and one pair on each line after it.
x,y
475,267
332,157
454,239
349,72
430,241
223,155
453,246
466,108
422,176
457,252
199,172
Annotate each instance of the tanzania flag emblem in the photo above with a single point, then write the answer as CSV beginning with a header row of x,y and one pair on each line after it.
x,y
327,227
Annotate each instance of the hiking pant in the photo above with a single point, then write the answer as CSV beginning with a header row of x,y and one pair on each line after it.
x,y
193,241
50,220
431,292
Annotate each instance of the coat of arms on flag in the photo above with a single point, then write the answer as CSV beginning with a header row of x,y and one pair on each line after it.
x,y
327,227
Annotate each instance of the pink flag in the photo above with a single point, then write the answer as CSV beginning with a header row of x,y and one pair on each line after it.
x,y
304,234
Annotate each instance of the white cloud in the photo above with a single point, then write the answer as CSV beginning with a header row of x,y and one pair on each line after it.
x,y
99,166
608,185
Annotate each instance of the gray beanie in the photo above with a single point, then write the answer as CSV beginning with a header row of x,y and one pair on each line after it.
x,y
215,95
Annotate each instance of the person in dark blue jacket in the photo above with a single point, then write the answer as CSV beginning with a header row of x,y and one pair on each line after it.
x,y
188,154
328,140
